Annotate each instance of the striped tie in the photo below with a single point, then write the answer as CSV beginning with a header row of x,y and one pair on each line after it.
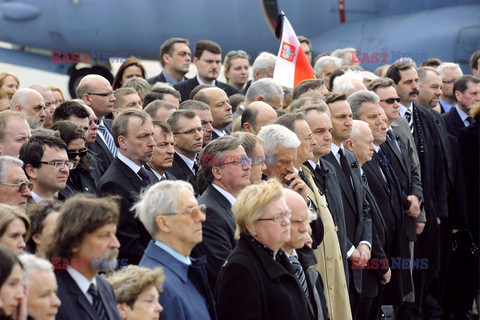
x,y
299,274
108,139
408,116
97,303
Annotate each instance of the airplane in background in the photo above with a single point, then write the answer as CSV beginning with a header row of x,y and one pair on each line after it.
x,y
42,31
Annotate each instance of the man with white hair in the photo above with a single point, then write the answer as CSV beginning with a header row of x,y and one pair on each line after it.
x,y
49,100
42,300
324,67
347,55
262,67
173,218
449,72
31,103
350,82
14,186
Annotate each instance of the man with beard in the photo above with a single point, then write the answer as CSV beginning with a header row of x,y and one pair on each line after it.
x,y
425,133
84,243
127,176
31,103
207,57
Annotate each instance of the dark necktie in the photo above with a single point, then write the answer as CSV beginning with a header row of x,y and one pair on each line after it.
x,y
195,166
145,177
297,267
321,178
364,180
391,137
345,167
383,157
409,117
97,303
469,120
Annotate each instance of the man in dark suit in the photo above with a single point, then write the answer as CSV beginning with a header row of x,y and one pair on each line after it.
x,y
466,90
127,176
175,58
225,171
163,151
188,135
356,209
425,133
377,272
174,219
207,57
205,114
449,72
97,93
219,106
84,243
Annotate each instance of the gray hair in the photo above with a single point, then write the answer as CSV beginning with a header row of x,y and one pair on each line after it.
x,y
343,54
193,105
40,87
449,65
33,263
264,62
6,161
161,198
356,129
21,97
325,61
266,88
276,135
356,99
346,81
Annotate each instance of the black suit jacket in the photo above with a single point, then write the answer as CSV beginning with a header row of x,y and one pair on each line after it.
x,y
408,178
121,180
181,171
160,78
356,208
100,148
453,122
185,87
218,232
75,305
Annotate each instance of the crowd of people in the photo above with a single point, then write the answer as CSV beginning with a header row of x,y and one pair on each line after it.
x,y
353,195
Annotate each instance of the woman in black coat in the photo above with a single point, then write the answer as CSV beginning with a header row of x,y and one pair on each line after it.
x,y
257,280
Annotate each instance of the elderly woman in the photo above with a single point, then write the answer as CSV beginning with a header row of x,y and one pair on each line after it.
x,y
136,291
14,227
43,217
42,300
257,280
12,291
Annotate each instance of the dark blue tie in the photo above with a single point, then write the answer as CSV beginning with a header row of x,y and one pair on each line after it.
x,y
145,177
97,303
300,274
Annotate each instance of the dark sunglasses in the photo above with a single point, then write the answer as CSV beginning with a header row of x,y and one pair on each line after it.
x,y
391,100
74,154
96,121
236,52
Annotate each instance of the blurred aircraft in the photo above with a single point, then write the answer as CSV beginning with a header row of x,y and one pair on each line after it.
x,y
43,31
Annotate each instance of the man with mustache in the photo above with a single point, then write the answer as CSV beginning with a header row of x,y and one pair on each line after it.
x,y
225,171
427,140
127,175
83,242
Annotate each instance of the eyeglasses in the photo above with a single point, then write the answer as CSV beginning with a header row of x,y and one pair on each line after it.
x,y
449,81
391,100
194,212
242,161
96,121
101,94
279,217
309,138
74,154
236,52
192,131
59,164
21,185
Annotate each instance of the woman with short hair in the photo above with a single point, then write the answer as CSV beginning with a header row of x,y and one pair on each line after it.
x,y
14,227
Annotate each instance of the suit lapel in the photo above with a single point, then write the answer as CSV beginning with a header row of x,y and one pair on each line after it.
x,y
75,291
129,174
342,180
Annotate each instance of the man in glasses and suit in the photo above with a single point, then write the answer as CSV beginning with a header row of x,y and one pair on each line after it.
x,y
14,185
170,213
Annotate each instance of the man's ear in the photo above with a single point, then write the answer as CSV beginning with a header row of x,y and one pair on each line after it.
x,y
195,60
217,173
88,99
122,310
247,127
122,142
166,58
31,171
18,108
162,223
36,239
349,145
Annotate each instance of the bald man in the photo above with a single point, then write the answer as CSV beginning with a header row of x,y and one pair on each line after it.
x,y
31,103
257,115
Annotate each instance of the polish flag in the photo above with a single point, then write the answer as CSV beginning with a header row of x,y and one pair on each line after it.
x,y
292,66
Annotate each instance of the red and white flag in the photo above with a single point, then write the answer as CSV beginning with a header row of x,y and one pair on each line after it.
x,y
292,66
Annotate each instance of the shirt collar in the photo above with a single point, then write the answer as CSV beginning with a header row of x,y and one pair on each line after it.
x,y
36,197
82,282
334,148
225,193
446,106
376,147
213,83
460,112
132,165
219,133
170,79
158,175
402,109
173,253
189,162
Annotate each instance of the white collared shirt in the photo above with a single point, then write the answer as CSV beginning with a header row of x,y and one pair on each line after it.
x,y
219,133
189,162
402,109
462,116
173,253
225,193
334,148
158,175
83,283
132,165
36,197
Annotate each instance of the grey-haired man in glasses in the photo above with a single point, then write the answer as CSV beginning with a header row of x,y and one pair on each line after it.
x,y
224,172
14,185
46,164
172,217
